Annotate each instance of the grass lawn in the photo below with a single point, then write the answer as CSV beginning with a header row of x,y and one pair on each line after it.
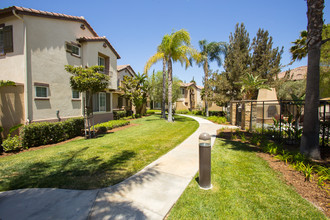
x,y
244,187
95,163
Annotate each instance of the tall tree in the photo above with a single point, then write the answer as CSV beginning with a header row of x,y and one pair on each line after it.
x,y
156,84
265,60
209,52
299,51
160,55
174,47
310,138
135,89
236,65
88,81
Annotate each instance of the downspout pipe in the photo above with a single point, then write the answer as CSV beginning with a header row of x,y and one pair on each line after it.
x,y
26,78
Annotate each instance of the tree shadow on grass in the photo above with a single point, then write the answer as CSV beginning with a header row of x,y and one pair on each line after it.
x,y
240,146
70,172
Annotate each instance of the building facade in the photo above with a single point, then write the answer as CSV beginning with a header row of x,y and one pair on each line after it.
x,y
35,46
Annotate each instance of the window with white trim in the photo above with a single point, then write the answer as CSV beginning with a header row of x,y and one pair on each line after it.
x,y
73,48
75,94
76,50
99,102
41,91
101,62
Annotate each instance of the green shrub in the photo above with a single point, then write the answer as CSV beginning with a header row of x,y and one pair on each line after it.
x,y
152,111
182,112
111,124
101,129
217,113
197,112
216,119
119,114
43,133
12,144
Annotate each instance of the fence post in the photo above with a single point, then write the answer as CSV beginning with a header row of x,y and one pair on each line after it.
x,y
280,134
323,132
263,116
251,116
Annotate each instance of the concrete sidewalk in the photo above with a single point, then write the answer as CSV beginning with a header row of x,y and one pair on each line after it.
x,y
149,194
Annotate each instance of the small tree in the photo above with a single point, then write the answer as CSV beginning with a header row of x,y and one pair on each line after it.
x,y
135,89
155,90
88,81
250,86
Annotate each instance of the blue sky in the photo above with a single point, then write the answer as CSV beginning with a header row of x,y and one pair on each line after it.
x,y
136,27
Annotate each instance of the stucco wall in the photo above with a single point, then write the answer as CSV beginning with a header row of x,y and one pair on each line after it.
x,y
12,64
90,51
47,55
11,106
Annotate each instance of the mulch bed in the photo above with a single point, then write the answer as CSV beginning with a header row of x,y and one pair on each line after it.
x,y
319,197
4,154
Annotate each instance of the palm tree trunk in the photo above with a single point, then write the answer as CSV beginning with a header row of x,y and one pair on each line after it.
x,y
169,65
206,72
309,144
164,88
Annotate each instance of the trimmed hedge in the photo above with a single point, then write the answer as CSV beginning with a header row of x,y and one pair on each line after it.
x,y
181,111
102,127
122,114
43,133
217,113
219,120
152,111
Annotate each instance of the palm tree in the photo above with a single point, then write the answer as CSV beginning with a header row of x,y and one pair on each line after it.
x,y
310,138
251,84
160,55
174,47
209,52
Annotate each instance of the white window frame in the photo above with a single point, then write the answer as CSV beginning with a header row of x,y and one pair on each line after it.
x,y
103,108
73,52
73,94
47,92
99,63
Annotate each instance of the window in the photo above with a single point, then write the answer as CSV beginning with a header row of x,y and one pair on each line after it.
x,y
101,62
73,48
6,39
76,50
41,91
182,91
120,102
75,94
100,103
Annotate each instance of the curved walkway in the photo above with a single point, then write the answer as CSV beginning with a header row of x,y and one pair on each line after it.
x,y
149,194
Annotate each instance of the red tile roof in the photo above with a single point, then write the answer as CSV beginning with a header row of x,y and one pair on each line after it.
x,y
298,73
87,39
127,66
29,11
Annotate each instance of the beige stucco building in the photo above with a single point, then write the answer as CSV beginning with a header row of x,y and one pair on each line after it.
x,y
34,48
120,103
190,98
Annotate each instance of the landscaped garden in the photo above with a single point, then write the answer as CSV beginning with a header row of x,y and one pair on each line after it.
x,y
244,187
95,163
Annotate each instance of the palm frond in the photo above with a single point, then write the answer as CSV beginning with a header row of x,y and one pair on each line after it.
x,y
152,60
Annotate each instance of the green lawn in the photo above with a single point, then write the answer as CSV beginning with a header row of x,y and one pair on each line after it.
x,y
95,163
244,187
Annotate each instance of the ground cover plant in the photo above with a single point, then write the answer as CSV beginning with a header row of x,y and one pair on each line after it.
x,y
95,163
244,187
